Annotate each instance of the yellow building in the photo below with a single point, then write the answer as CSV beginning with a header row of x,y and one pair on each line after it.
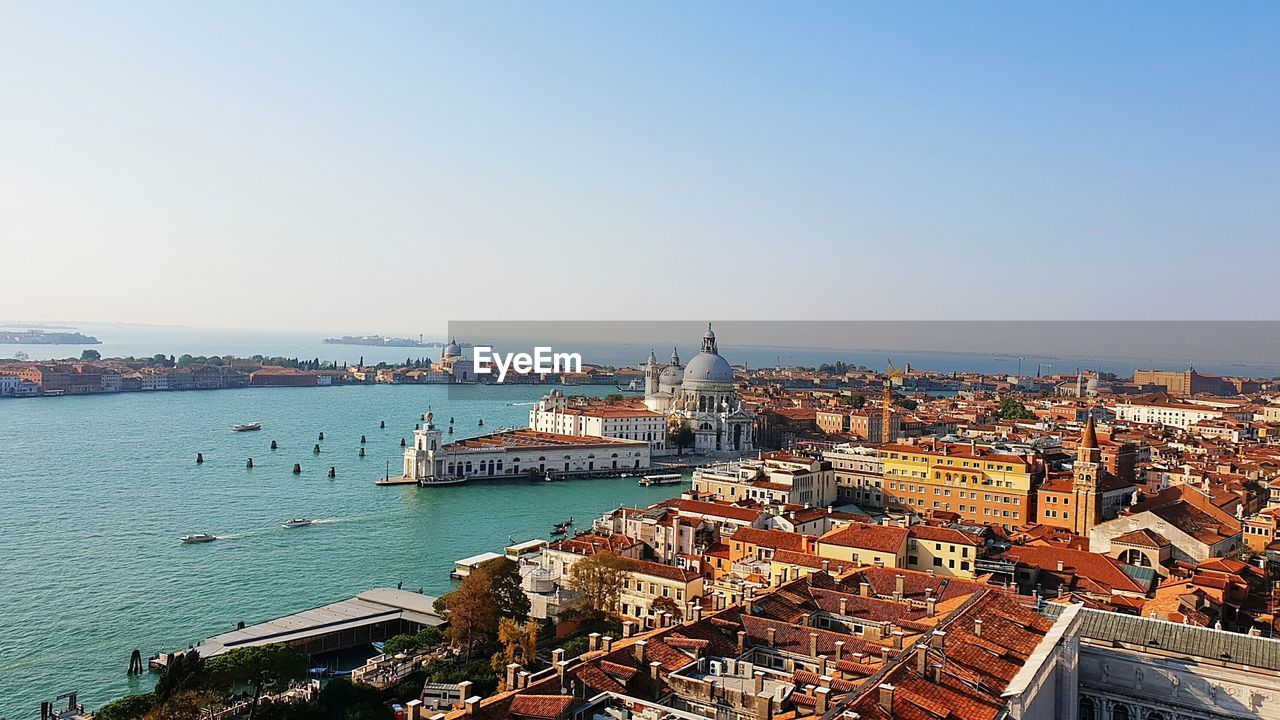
x,y
944,551
983,487
882,545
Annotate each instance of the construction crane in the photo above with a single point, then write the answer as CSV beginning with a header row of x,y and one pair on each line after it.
x,y
886,419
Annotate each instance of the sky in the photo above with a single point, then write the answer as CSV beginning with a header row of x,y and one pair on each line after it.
x,y
391,167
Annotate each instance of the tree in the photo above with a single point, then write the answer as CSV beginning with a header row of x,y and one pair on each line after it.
x,y
613,398
265,667
519,645
667,604
1011,409
90,354
504,577
129,707
471,611
598,581
681,437
428,637
859,402
186,705
905,403
185,672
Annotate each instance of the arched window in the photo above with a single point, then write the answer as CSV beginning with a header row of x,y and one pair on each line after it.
x,y
1087,711
1120,712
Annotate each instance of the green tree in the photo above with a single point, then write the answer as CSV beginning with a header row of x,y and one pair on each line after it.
x,y
264,668
612,398
185,672
681,437
129,707
504,577
90,354
859,402
598,581
1010,409
905,402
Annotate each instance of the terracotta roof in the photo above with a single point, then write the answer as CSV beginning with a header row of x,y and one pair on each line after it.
x,y
878,538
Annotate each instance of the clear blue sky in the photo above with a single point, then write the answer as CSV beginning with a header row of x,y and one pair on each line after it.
x,y
393,166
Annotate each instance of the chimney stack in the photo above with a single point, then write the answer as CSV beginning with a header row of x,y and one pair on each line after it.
x,y
471,704
654,667
839,650
758,680
864,589
886,698
922,659
769,635
938,640
824,697
977,627
813,644
464,691
628,628
593,642
899,582
639,648
510,679
764,706
844,606
1061,566
930,606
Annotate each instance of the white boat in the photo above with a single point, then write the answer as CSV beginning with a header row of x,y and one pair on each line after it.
x,y
199,538
243,427
298,522
667,479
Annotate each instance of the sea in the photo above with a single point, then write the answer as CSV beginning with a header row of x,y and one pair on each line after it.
x,y
97,491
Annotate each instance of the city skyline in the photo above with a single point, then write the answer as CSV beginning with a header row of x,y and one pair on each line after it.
x,y
214,165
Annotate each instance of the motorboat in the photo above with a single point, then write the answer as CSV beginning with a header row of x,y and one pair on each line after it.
x,y
245,427
298,522
199,538
665,479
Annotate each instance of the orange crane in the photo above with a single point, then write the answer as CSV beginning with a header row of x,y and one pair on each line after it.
x,y
886,419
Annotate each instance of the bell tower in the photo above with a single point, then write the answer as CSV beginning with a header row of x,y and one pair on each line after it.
x,y
1086,471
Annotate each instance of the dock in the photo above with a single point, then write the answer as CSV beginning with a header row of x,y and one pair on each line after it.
x,y
397,480
372,616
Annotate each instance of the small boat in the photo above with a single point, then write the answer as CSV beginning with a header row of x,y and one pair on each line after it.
x,y
632,387
199,538
298,522
666,479
558,530
245,427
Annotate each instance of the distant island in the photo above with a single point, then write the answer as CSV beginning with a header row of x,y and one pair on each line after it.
x,y
380,341
40,337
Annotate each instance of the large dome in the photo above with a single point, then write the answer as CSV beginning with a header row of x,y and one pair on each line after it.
x,y
452,349
708,367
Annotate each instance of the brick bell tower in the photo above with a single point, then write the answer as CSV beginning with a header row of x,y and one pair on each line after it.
x,y
1086,471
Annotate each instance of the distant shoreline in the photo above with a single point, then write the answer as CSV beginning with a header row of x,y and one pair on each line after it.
x,y
381,341
41,337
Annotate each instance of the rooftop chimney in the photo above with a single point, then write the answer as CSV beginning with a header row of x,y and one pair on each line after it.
x,y
938,640
639,648
593,642
844,606
864,589
930,606
742,641
898,586
1061,566
471,704
813,644
654,667
922,659
758,680
886,698
839,650
824,697
628,628
977,627
769,635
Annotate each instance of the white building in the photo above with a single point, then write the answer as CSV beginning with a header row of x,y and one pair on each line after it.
x,y
1166,412
555,414
516,453
701,396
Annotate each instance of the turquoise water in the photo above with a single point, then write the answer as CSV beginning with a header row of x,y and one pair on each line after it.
x,y
97,490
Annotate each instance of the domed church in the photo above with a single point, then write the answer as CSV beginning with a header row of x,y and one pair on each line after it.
x,y
700,395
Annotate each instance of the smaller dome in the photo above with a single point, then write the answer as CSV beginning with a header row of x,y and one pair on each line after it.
x,y
453,349
672,375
